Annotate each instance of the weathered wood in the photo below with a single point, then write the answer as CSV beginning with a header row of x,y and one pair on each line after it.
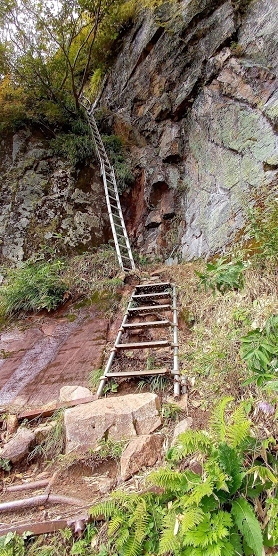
x,y
42,527
150,372
48,411
144,345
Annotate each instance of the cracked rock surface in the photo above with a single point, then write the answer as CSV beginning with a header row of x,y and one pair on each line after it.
x,y
198,86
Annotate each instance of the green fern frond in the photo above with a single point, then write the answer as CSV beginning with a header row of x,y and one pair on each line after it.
x,y
189,443
106,509
231,463
116,522
191,518
216,474
132,547
201,490
248,525
122,538
169,480
239,429
169,541
217,420
139,521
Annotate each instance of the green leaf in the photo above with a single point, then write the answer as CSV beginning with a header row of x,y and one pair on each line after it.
x,y
248,525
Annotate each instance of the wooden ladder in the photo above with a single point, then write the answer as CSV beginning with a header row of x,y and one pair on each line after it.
x,y
121,240
157,303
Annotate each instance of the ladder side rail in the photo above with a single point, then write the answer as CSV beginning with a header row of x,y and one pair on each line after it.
x,y
128,247
115,237
123,222
104,159
176,371
113,352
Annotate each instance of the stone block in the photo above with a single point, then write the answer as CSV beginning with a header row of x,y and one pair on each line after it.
x,y
143,451
119,418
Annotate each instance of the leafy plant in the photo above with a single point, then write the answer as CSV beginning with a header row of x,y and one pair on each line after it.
x,y
33,287
170,411
187,514
12,545
263,231
259,349
5,464
54,442
116,154
109,449
223,275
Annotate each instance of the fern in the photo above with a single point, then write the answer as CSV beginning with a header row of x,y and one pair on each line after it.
x,y
105,508
139,520
116,522
248,525
231,464
210,531
190,518
238,431
174,481
189,443
217,421
199,492
169,541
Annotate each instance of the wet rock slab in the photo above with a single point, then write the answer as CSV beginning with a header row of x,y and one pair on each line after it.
x,y
37,362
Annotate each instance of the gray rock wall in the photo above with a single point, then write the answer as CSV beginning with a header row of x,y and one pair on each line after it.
x,y
45,204
197,85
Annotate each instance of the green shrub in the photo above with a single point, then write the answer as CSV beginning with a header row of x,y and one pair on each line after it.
x,y
262,230
209,514
115,151
75,148
33,287
259,349
223,275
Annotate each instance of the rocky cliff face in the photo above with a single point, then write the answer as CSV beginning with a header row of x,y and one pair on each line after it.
x,y
45,203
195,95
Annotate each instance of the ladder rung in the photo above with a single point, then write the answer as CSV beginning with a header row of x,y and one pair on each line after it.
x,y
114,206
123,245
162,371
147,324
151,308
144,345
157,285
157,295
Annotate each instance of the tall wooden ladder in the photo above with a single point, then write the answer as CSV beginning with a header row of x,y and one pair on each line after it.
x,y
121,240
151,315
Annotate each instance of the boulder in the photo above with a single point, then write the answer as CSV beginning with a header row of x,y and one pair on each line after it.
x,y
43,431
11,423
182,426
143,451
119,418
69,393
18,447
